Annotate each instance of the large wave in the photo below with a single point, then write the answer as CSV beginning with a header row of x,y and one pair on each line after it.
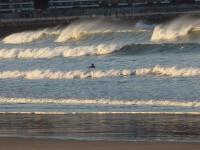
x,y
79,29
80,38
75,31
171,31
31,36
178,28
95,37
95,74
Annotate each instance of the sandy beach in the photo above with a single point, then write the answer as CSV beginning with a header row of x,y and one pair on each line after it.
x,y
52,144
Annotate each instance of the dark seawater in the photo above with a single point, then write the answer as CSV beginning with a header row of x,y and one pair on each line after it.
x,y
145,84
109,127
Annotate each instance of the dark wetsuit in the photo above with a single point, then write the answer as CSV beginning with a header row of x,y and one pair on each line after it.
x,y
92,66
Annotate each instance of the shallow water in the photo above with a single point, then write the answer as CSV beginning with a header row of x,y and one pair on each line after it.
x,y
109,127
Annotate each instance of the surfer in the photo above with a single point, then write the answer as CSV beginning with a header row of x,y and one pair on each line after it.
x,y
92,66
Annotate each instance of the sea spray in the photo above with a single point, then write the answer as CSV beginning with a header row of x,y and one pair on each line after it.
x,y
78,29
75,31
31,36
176,29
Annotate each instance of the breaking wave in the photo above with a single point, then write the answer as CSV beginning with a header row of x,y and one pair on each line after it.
x,y
171,32
79,29
92,50
75,31
135,102
95,74
97,37
31,36
63,51
104,38
179,28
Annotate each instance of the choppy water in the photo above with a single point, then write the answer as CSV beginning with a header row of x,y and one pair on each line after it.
x,y
140,68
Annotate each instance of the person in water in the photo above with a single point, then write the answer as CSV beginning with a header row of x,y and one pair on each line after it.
x,y
92,66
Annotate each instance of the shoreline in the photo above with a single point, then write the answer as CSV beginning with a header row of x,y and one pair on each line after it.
x,y
52,144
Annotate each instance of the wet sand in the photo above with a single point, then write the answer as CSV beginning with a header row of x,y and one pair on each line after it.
x,y
52,144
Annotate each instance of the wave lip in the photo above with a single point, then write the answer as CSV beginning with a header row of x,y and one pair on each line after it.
x,y
172,31
31,36
96,74
135,102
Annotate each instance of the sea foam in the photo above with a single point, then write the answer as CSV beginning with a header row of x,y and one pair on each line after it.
x,y
59,51
95,74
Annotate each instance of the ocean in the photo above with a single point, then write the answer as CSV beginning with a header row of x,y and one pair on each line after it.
x,y
145,85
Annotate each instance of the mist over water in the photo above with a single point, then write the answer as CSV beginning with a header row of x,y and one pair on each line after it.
x,y
179,29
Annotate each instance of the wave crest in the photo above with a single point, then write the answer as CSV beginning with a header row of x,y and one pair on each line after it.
x,y
31,36
175,29
64,51
75,30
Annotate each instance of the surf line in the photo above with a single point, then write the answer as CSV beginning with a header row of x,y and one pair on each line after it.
x,y
95,74
118,102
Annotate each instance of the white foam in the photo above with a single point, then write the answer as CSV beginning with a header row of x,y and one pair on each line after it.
x,y
175,29
63,51
169,71
48,74
94,74
134,102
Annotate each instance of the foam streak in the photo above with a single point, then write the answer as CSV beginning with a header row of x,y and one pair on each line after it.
x,y
135,102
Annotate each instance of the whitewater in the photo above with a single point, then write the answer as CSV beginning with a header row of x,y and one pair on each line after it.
x,y
141,67
79,74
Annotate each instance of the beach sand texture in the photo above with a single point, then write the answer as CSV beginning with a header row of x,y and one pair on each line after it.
x,y
51,144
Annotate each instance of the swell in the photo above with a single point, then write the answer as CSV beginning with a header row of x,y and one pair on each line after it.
x,y
135,49
96,74
134,102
